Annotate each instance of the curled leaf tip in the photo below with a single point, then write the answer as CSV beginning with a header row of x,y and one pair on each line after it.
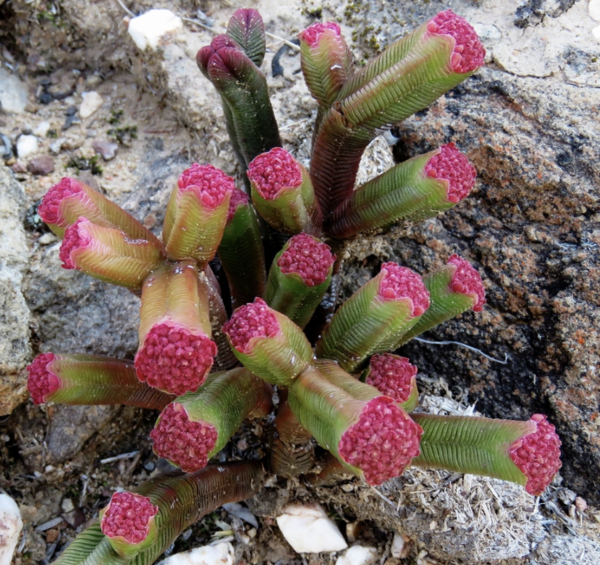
x,y
76,237
254,320
383,441
314,32
308,257
274,171
451,165
537,455
49,209
128,516
468,54
41,381
399,283
466,280
212,184
238,198
392,375
182,441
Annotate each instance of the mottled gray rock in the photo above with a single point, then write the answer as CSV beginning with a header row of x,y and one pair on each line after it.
x,y
41,165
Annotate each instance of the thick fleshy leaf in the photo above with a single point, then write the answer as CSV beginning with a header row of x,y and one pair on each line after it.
x,y
246,27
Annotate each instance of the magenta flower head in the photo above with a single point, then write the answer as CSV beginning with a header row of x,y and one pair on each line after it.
x,y
129,523
299,277
66,201
415,190
326,61
89,379
368,432
176,351
375,317
282,192
527,453
197,214
453,289
108,254
268,343
394,376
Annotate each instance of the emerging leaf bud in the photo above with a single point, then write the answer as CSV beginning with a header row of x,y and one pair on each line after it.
x,y
375,317
367,432
453,289
326,61
176,352
395,377
415,190
537,455
299,278
247,28
197,213
268,343
129,523
89,379
108,254
198,425
282,192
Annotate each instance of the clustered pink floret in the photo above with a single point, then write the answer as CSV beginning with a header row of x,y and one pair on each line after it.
x,y
174,359
383,442
273,171
308,257
451,165
538,455
253,320
468,54
41,381
181,441
312,34
392,375
49,209
238,197
212,184
128,516
400,283
467,280
76,237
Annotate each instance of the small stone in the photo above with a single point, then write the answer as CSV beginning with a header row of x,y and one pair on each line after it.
x,y
47,239
10,527
358,555
56,146
146,30
52,535
6,147
91,102
27,145
108,149
221,554
594,10
19,167
67,505
596,33
42,129
13,92
581,504
42,165
308,529
400,546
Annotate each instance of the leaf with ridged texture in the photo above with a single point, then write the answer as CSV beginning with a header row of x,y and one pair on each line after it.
x,y
247,29
402,193
242,255
465,444
98,380
348,383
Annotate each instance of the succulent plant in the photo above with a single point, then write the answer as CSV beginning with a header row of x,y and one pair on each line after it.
x,y
344,390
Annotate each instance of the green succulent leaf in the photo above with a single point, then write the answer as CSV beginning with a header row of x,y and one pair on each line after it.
x,y
246,27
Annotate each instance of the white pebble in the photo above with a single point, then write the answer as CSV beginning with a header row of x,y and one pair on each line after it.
x,y
308,529
594,9
596,32
10,528
358,555
220,554
26,145
398,546
91,102
147,29
42,129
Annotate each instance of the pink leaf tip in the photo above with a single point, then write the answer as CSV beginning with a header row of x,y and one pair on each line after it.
x,y
41,381
49,209
128,515
174,359
313,33
400,283
392,375
254,320
212,184
76,237
452,166
383,442
274,171
308,257
181,441
468,54
208,57
466,280
537,455
238,198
